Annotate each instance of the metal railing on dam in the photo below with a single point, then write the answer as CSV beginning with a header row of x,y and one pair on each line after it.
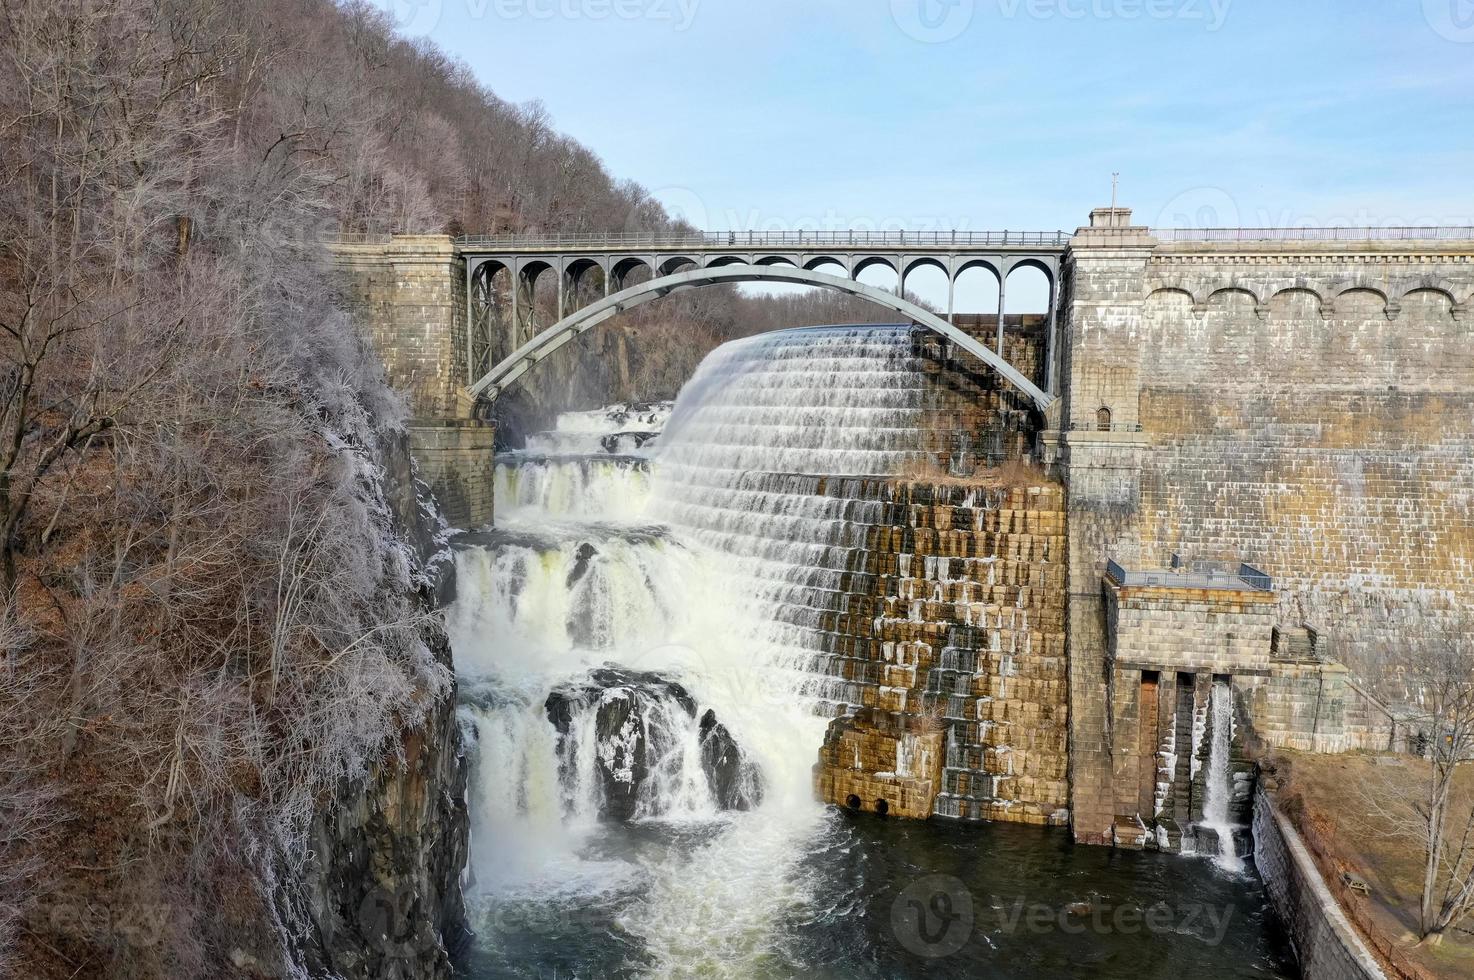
x,y
1409,233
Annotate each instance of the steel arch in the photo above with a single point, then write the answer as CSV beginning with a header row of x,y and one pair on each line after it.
x,y
495,381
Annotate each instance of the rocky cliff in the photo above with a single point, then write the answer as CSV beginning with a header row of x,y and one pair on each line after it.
x,y
382,890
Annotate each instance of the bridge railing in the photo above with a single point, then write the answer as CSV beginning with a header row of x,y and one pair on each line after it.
x,y
1405,233
773,240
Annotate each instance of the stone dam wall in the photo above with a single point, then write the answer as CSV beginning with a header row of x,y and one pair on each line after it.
x,y
953,640
1303,407
952,628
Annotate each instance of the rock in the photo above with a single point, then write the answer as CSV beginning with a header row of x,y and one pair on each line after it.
x,y
382,885
735,782
638,719
380,888
581,558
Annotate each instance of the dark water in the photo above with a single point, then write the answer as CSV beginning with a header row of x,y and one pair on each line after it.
x,y
889,899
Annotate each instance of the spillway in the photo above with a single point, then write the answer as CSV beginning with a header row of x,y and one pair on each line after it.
x,y
675,603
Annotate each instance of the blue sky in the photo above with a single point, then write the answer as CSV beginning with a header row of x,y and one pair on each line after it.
x,y
992,114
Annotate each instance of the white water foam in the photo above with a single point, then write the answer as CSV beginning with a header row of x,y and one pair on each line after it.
x,y
1219,779
726,600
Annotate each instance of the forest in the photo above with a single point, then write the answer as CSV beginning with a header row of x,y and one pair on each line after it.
x,y
211,610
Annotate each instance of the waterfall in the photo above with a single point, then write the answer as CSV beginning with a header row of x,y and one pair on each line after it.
x,y
1219,779
572,487
641,638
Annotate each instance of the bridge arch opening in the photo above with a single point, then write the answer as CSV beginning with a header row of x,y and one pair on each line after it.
x,y
828,264
545,343
488,310
878,272
927,281
677,263
630,272
537,299
1029,288
975,289
584,277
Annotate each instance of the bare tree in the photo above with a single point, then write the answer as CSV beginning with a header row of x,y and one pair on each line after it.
x,y
1434,675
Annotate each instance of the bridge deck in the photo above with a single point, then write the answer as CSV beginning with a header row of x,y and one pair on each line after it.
x,y
907,241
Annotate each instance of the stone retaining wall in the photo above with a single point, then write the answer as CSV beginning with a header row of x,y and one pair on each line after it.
x,y
1326,944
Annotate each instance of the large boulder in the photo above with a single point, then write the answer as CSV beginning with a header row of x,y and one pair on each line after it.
x,y
641,723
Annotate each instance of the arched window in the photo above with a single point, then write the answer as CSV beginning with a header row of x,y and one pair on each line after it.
x,y
1103,419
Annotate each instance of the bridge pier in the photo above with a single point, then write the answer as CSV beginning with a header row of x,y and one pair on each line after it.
x,y
409,294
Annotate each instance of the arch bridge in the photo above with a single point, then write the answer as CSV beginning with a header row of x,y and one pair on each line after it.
x,y
598,276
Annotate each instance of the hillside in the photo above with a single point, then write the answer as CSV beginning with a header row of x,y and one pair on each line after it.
x,y
214,584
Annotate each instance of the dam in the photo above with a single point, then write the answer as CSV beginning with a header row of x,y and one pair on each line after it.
x,y
1261,440
1059,576
800,583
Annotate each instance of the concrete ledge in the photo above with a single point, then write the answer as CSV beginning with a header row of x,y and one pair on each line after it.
x,y
1093,438
1326,944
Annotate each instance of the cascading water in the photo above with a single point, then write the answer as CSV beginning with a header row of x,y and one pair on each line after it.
x,y
715,606
1219,778
646,682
